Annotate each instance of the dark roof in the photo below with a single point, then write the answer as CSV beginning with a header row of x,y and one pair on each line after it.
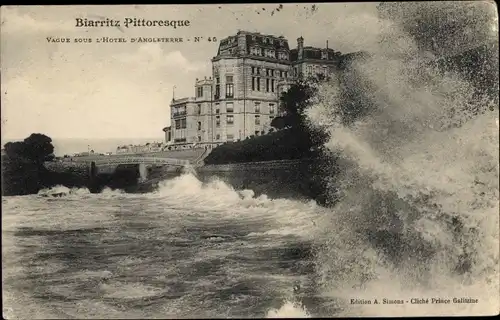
x,y
276,43
279,44
313,53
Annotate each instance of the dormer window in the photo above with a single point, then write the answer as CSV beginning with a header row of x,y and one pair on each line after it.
x,y
324,55
253,38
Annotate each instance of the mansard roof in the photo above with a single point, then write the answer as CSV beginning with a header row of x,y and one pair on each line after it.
x,y
267,41
314,54
278,43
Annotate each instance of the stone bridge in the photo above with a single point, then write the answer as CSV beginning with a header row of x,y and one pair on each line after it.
x,y
110,165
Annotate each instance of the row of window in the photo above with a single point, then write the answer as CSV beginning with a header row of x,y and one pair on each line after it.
x,y
230,137
269,53
256,80
178,111
180,123
272,107
230,108
317,69
229,87
270,84
267,40
230,120
270,72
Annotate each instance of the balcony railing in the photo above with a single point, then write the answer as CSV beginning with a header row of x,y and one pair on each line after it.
x,y
180,113
182,100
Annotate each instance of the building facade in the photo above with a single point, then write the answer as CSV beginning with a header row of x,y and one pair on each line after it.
x,y
310,61
249,73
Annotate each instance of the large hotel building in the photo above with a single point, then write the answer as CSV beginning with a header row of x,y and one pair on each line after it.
x,y
241,98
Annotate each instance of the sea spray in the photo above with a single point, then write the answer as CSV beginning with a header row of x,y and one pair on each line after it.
x,y
289,310
60,191
231,203
417,211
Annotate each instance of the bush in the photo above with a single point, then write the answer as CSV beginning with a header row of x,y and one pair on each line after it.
x,y
282,145
23,170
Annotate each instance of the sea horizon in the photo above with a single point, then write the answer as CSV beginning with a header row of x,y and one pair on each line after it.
x,y
68,146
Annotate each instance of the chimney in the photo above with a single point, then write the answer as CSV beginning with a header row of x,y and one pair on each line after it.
x,y
326,44
300,47
241,39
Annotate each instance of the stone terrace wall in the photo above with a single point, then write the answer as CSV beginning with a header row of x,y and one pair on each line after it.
x,y
277,179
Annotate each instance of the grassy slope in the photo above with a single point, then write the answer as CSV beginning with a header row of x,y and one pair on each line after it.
x,y
282,145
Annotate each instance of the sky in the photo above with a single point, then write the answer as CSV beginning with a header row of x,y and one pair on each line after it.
x,y
123,90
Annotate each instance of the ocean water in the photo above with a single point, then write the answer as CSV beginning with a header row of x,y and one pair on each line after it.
x,y
208,251
417,218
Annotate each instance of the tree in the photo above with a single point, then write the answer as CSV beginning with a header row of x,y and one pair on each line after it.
x,y
39,148
15,150
294,102
278,123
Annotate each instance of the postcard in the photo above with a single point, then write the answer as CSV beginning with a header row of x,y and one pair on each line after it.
x,y
250,160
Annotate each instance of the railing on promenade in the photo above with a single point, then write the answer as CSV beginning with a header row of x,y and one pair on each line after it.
x,y
138,160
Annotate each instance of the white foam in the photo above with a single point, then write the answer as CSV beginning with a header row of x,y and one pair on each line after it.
x,y
424,157
289,310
